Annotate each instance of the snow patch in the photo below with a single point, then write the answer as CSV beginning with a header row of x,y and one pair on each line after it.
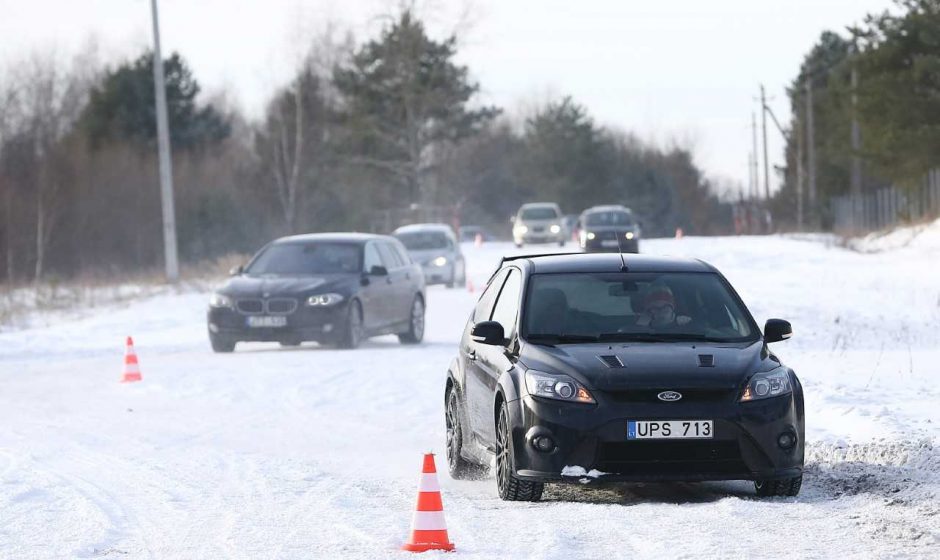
x,y
922,237
581,472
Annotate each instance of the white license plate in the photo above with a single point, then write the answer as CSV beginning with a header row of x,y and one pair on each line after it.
x,y
262,321
609,243
670,429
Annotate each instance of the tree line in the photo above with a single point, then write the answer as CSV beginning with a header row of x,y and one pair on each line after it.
x,y
883,76
391,123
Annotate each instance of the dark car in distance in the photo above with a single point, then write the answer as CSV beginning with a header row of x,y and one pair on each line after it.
x,y
611,228
332,288
608,367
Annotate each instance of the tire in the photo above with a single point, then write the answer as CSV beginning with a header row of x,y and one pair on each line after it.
x,y
518,245
561,243
778,488
509,487
415,332
352,330
221,344
459,468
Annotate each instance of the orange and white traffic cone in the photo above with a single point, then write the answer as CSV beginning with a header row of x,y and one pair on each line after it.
x,y
131,368
478,239
470,285
428,531
679,233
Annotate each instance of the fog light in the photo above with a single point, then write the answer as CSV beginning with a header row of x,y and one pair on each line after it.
x,y
213,327
328,327
786,440
544,443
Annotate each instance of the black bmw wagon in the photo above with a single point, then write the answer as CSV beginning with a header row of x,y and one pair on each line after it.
x,y
333,288
610,367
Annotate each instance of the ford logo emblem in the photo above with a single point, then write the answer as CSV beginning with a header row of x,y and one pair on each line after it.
x,y
669,396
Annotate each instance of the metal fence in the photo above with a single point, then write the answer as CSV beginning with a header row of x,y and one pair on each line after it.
x,y
887,207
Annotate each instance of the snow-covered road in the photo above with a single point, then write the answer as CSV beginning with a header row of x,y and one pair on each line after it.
x,y
315,453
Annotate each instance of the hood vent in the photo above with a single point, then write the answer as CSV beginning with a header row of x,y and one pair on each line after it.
x,y
706,360
611,361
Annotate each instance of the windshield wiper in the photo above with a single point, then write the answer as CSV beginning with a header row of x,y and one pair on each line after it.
x,y
657,337
546,338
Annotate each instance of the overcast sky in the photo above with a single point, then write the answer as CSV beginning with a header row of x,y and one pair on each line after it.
x,y
685,70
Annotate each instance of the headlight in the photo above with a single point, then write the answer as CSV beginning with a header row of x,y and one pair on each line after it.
x,y
768,384
521,229
324,300
556,386
440,261
591,235
219,300
629,235
555,228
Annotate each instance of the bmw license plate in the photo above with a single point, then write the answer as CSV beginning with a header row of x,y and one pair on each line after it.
x,y
670,429
263,321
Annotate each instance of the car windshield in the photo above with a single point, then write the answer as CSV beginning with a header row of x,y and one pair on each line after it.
x,y
647,307
611,218
305,259
539,213
423,240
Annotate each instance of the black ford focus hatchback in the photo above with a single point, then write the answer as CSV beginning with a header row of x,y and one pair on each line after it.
x,y
620,368
332,288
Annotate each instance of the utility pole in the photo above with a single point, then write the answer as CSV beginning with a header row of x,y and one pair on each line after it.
x,y
799,170
763,105
811,152
166,166
856,177
756,192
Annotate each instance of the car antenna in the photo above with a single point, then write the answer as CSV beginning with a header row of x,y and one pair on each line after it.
x,y
623,262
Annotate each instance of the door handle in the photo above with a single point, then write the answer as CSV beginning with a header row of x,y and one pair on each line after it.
x,y
471,355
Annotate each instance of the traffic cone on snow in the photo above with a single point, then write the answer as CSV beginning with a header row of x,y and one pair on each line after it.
x,y
131,369
428,531
478,239
470,285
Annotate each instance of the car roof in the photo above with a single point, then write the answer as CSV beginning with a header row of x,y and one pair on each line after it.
x,y
334,237
608,208
425,227
536,204
607,262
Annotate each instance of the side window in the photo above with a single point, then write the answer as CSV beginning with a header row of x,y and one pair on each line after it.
x,y
389,256
402,253
482,311
507,305
371,257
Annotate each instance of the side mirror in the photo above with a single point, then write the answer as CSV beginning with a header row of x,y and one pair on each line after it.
x,y
378,270
776,330
488,332
236,270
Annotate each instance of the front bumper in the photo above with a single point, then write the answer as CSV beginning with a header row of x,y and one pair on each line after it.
x,y
594,437
611,245
540,237
438,274
305,324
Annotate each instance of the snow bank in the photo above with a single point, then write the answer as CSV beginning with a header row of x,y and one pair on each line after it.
x,y
924,238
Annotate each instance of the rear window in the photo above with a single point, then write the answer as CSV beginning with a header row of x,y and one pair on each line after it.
x,y
304,259
539,213
612,218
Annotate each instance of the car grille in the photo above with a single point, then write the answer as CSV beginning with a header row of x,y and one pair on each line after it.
x,y
249,306
688,395
537,229
274,306
670,457
281,306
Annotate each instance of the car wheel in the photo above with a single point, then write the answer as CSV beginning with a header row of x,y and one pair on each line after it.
x,y
511,488
460,468
221,344
561,243
785,487
518,245
415,331
352,333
